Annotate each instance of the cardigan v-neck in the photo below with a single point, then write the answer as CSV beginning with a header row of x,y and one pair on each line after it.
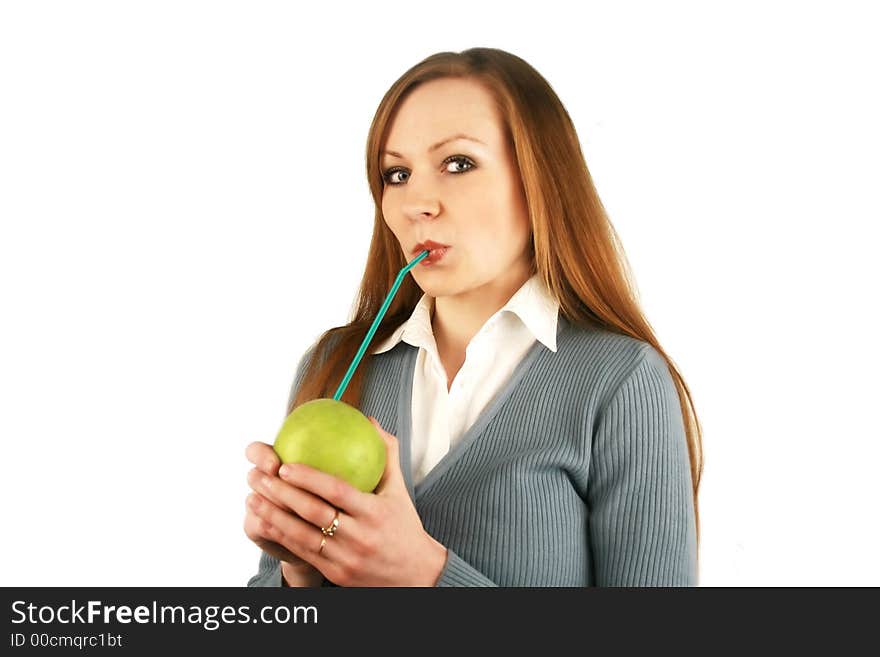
x,y
442,411
472,433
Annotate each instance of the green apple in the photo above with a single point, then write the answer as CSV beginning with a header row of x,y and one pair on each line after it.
x,y
336,438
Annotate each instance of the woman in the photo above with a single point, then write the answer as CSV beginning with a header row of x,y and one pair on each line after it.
x,y
535,429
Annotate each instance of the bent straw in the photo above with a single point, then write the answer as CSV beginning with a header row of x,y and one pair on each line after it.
x,y
376,322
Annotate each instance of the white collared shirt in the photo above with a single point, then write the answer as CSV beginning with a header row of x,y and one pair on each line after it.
x,y
440,416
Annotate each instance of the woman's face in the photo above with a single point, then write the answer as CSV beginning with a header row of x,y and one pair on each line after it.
x,y
462,193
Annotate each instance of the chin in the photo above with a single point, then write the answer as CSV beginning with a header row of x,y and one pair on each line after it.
x,y
437,288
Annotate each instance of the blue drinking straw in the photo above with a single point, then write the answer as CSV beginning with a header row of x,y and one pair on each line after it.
x,y
376,322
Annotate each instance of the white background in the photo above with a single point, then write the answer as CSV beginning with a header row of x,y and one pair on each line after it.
x,y
184,209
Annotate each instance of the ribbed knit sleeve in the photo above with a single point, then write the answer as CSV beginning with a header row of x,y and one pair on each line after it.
x,y
269,568
268,571
641,523
457,572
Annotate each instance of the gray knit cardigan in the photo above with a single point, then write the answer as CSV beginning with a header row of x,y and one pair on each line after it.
x,y
575,474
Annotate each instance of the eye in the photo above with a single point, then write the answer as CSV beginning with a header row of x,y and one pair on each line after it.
x,y
458,160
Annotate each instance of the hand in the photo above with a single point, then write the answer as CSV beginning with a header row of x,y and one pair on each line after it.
x,y
380,540
258,530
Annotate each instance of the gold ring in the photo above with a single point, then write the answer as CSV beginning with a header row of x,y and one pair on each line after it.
x,y
323,543
330,529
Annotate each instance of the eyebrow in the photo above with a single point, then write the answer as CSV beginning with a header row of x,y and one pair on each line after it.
x,y
440,143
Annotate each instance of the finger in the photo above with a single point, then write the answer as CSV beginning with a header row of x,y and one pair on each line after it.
x,y
307,506
300,537
392,475
253,528
262,483
389,439
263,456
263,535
334,490
273,523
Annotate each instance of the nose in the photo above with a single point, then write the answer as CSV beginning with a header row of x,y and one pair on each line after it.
x,y
424,210
421,202
416,216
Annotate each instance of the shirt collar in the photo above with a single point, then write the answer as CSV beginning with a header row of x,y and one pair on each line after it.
x,y
532,304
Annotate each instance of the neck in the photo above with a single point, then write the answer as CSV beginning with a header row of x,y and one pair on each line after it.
x,y
458,318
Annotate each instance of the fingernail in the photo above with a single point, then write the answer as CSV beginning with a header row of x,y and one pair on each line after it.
x,y
284,471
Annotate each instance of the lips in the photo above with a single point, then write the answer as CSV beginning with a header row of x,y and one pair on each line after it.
x,y
430,245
